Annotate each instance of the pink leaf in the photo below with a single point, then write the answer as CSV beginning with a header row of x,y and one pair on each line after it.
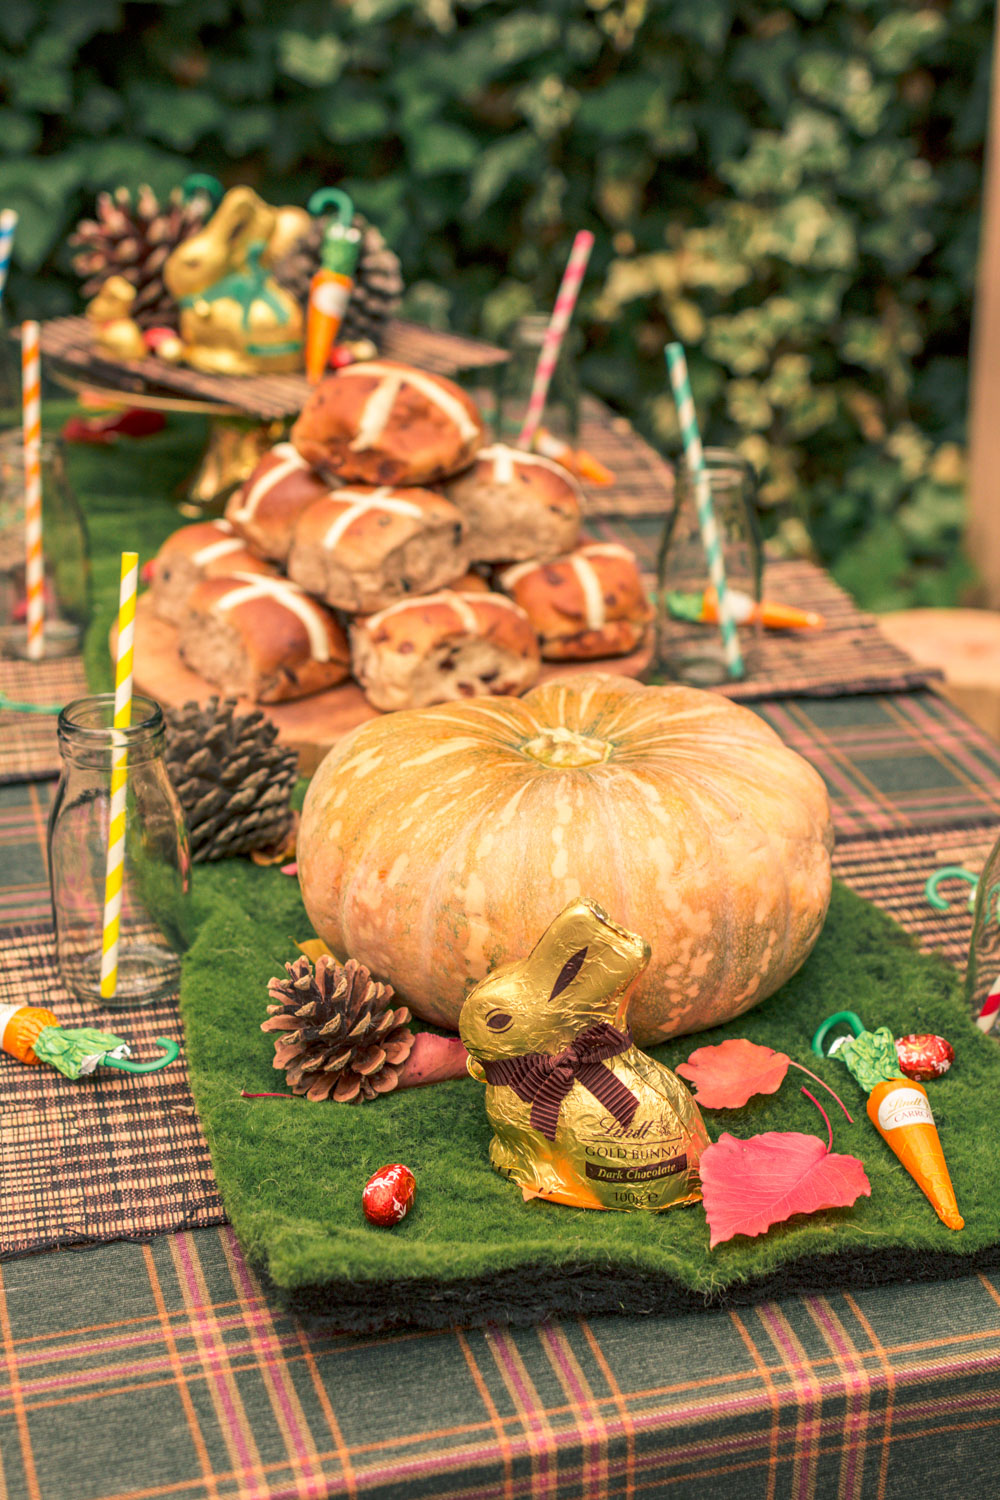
x,y
750,1185
730,1073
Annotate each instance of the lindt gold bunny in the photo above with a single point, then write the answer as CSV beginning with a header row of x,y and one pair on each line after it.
x,y
235,318
579,1114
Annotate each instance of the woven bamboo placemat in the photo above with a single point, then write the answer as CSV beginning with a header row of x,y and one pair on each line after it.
x,y
114,1156
29,750
644,482
851,655
892,872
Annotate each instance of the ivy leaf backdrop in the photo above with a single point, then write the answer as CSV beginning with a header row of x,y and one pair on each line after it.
x,y
791,189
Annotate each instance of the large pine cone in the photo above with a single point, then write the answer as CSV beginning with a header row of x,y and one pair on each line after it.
x,y
339,1035
378,280
134,240
232,779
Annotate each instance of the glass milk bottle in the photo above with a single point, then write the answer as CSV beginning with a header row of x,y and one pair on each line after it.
x,y
688,641
982,975
66,584
561,417
155,915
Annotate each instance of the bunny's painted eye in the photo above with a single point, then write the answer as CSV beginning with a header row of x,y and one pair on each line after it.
x,y
568,972
498,1020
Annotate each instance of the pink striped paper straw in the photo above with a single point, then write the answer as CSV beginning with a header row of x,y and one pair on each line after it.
x,y
573,275
31,403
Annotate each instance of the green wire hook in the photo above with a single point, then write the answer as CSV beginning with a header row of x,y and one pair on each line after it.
x,y
12,705
324,198
202,182
949,872
171,1052
840,1018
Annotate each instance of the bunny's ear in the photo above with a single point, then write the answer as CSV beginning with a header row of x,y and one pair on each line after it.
x,y
568,972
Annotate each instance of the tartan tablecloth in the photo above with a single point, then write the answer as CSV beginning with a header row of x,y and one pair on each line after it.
x,y
163,1369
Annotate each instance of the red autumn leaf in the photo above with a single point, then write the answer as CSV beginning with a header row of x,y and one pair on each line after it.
x,y
730,1073
750,1185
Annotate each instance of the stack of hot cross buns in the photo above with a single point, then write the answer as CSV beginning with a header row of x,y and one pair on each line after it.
x,y
384,540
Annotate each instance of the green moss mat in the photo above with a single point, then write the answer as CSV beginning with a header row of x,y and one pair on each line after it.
x,y
291,1173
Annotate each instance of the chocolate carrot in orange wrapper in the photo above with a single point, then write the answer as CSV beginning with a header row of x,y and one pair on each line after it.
x,y
898,1107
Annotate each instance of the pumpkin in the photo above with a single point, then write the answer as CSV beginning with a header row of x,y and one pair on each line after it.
x,y
440,842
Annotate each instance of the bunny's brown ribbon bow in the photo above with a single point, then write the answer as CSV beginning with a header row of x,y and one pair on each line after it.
x,y
544,1079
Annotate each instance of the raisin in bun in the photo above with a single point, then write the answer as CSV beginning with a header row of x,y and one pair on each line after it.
x,y
517,505
589,604
262,638
265,510
382,422
361,549
204,550
443,647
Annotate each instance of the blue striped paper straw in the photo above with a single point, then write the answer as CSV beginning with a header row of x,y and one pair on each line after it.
x,y
691,438
8,224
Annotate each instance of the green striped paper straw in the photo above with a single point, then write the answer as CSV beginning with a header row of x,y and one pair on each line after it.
x,y
690,436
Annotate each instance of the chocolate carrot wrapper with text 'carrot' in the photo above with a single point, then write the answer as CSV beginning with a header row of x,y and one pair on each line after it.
x,y
900,1110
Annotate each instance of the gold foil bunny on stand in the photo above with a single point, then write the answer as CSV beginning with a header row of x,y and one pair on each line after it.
x,y
579,1114
235,318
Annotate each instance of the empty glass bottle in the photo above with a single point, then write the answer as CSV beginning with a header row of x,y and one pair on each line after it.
x,y
982,975
562,406
155,915
64,543
688,641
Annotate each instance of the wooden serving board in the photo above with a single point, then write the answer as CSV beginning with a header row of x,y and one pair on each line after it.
x,y
312,725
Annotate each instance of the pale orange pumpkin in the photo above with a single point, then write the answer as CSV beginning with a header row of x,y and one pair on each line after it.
x,y
438,843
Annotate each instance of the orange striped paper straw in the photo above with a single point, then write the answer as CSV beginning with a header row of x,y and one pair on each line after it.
x,y
569,289
119,775
31,410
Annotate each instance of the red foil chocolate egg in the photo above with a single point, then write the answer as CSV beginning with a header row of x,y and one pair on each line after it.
x,y
388,1195
925,1056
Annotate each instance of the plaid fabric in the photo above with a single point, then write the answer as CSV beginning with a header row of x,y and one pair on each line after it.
x,y
114,1155
893,763
866,1393
28,746
861,1395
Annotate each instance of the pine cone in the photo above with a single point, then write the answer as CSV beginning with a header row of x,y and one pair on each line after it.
x,y
339,1033
233,781
378,280
134,241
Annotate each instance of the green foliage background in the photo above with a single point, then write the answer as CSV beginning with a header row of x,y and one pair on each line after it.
x,y
791,189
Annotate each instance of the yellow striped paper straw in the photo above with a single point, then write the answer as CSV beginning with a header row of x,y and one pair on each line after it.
x,y
119,775
31,410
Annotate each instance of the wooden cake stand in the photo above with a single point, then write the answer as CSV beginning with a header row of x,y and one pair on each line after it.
x,y
310,725
248,413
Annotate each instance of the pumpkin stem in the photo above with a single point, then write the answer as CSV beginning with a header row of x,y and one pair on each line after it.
x,y
564,748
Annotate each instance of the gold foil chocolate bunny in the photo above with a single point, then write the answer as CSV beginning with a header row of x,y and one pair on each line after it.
x,y
235,318
115,330
579,1114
